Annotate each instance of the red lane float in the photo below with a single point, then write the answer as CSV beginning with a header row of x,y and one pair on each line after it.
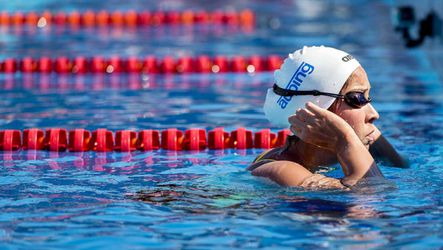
x,y
148,140
27,65
33,139
220,64
255,64
103,140
264,139
62,65
172,139
44,65
148,64
204,64
133,65
241,139
132,18
281,137
74,19
10,140
9,65
274,62
185,65
218,139
80,65
125,141
79,140
56,139
195,139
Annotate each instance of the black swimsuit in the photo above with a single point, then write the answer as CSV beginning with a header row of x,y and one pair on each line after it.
x,y
262,158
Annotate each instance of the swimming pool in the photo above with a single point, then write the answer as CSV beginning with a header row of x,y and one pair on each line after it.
x,y
206,199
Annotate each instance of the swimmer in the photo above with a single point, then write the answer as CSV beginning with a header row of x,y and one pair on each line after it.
x,y
322,94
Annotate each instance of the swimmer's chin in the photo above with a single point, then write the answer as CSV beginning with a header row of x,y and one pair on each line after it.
x,y
369,140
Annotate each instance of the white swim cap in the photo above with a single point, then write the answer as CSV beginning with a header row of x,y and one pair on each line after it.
x,y
311,68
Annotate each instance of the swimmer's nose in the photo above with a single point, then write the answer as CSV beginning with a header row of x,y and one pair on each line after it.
x,y
371,113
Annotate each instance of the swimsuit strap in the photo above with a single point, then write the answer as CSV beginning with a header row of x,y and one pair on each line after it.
x,y
260,160
260,156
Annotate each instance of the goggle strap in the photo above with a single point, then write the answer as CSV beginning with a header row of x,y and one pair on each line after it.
x,y
289,92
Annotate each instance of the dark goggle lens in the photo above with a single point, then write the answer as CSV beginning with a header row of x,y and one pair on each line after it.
x,y
356,99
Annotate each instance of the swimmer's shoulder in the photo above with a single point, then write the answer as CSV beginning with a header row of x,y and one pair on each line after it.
x,y
292,174
283,172
269,164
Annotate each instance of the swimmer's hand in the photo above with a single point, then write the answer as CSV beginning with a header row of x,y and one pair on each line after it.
x,y
321,127
325,129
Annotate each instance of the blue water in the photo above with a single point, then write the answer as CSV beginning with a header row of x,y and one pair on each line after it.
x,y
206,200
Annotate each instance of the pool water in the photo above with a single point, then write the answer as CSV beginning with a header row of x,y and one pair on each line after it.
x,y
206,200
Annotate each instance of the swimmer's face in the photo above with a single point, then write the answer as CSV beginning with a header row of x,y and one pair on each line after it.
x,y
360,119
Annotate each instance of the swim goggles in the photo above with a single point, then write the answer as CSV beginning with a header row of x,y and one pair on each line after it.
x,y
354,99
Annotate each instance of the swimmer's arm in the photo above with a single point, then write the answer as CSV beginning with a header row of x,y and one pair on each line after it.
x,y
383,150
355,160
292,174
285,173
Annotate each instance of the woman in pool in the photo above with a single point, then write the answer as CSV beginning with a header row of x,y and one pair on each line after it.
x,y
323,95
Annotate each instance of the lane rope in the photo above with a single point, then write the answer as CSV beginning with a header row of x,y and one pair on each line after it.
x,y
148,64
129,18
103,140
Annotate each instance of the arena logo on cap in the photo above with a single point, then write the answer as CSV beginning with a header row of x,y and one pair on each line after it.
x,y
347,58
296,80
